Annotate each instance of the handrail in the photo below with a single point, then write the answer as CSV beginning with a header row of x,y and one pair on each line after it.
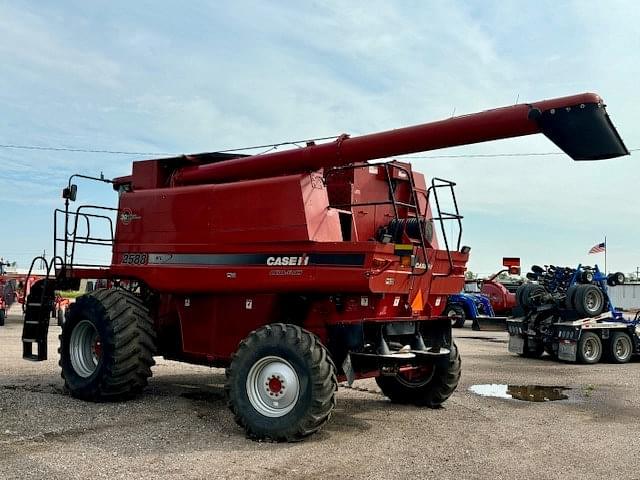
x,y
71,237
414,206
445,216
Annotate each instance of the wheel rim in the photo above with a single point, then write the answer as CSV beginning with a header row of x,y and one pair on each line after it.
x,y
592,301
622,348
452,315
591,349
419,377
85,348
273,387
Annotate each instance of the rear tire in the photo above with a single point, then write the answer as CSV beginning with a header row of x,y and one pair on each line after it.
x,y
281,383
453,311
107,346
60,316
589,348
620,348
430,392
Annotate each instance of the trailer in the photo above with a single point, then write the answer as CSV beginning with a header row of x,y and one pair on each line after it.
x,y
568,314
585,340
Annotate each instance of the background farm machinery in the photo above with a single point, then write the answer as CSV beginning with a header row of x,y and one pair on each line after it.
x,y
469,306
293,269
568,313
15,287
502,292
486,302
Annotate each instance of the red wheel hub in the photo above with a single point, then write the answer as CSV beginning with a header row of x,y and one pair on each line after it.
x,y
275,385
416,374
97,348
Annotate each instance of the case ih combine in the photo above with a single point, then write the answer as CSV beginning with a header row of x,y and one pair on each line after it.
x,y
293,269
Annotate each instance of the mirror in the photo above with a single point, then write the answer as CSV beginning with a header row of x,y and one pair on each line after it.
x,y
70,192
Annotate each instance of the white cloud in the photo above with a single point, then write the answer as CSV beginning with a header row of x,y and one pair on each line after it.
x,y
204,76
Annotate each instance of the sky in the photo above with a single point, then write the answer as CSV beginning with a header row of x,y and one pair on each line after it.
x,y
182,77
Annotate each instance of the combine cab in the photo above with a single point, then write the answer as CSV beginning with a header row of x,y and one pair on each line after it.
x,y
294,270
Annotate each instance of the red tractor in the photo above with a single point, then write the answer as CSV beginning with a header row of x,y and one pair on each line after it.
x,y
501,294
294,270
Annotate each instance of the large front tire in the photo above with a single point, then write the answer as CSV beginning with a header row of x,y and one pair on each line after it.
x,y
281,383
432,390
107,346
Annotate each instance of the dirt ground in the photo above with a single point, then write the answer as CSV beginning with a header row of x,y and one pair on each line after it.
x,y
181,428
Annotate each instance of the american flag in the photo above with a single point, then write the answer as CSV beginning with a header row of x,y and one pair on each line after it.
x,y
599,248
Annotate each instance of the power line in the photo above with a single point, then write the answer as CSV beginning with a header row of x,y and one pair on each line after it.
x,y
79,150
273,146
124,152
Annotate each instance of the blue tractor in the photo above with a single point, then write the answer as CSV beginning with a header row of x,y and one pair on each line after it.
x,y
472,306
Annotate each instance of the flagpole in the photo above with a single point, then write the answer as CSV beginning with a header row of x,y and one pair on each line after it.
x,y
605,254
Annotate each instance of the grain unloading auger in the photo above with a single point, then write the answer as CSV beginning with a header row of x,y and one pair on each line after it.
x,y
294,269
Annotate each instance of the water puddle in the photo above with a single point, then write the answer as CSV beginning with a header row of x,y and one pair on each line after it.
x,y
526,393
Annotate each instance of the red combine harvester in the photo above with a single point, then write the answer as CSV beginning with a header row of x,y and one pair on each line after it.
x,y
294,269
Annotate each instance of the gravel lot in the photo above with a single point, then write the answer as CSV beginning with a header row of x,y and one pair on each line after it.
x,y
180,427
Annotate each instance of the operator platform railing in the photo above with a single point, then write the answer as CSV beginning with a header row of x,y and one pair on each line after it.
x,y
441,183
84,216
413,206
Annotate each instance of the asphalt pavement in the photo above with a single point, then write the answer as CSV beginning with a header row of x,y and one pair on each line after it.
x,y
180,427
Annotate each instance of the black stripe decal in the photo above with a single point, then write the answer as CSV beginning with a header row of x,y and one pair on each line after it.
x,y
276,259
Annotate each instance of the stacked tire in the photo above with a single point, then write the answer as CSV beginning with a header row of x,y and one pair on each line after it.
x,y
529,295
614,279
587,300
